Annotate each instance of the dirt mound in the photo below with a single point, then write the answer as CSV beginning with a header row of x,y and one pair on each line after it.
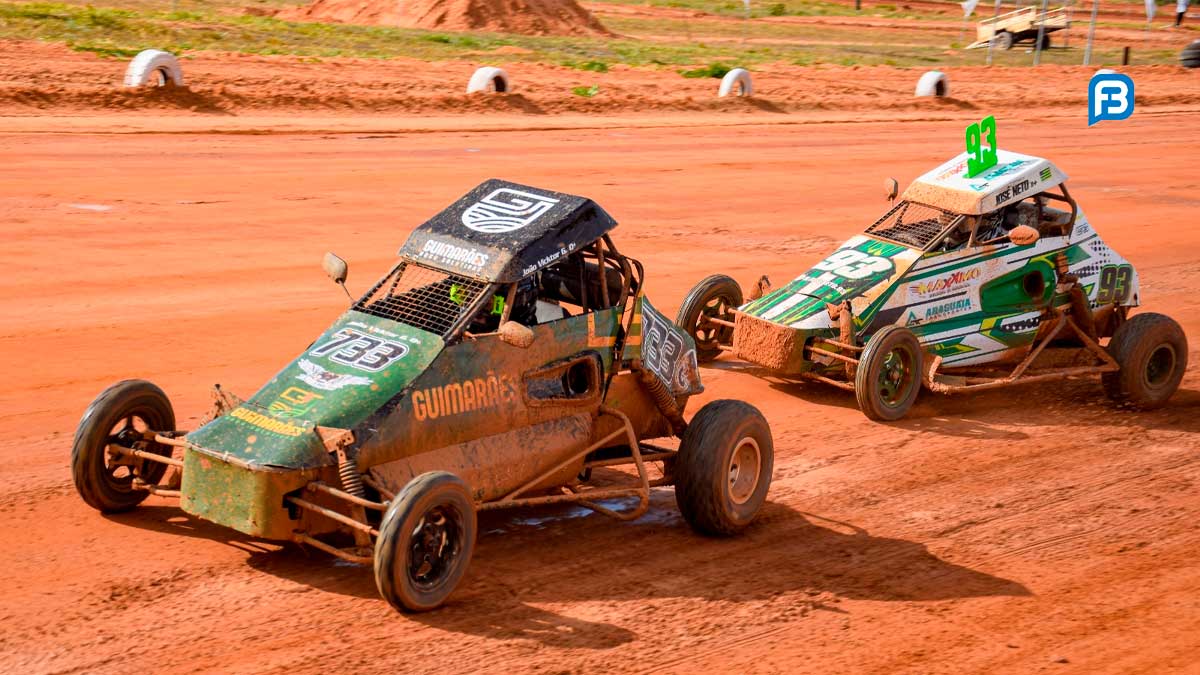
x,y
527,17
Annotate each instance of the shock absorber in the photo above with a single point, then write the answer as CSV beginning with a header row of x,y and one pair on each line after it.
x,y
352,481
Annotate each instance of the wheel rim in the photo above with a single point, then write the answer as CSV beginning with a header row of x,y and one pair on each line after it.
x,y
128,432
896,376
1160,366
745,464
710,335
437,541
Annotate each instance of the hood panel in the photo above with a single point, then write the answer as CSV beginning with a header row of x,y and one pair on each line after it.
x,y
348,373
862,270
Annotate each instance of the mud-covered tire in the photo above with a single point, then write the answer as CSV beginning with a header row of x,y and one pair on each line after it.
x,y
1152,352
438,506
888,377
1190,56
103,484
717,295
1045,41
1002,40
723,469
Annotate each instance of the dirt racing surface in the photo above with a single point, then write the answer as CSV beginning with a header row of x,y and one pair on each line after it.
x,y
1029,530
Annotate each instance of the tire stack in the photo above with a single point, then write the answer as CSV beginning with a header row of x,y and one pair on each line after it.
x,y
1190,56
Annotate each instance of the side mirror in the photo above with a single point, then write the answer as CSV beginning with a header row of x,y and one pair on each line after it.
x,y
515,334
336,268
1023,235
891,188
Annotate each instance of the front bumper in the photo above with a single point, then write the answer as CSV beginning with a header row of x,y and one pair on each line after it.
x,y
776,347
246,497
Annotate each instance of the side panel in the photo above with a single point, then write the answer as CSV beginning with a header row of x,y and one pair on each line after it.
x,y
478,388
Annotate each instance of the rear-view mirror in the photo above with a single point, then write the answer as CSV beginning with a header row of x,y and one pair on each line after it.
x,y
336,268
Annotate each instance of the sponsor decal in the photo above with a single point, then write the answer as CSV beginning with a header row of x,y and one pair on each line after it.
x,y
264,422
666,354
456,398
451,255
1110,97
1015,190
912,319
1005,169
294,402
356,349
506,210
945,283
315,375
1021,325
954,170
1046,174
947,308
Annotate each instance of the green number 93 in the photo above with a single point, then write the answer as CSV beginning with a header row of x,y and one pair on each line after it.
x,y
979,158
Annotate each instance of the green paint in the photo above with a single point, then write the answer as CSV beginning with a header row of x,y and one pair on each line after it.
x,y
979,158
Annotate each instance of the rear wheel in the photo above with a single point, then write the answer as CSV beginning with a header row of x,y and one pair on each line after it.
x,y
713,298
1045,41
120,416
425,542
723,469
888,378
1152,352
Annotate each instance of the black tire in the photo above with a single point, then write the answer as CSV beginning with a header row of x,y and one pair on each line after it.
x,y
1190,56
1045,41
135,405
888,378
716,296
1152,352
1003,40
714,492
438,505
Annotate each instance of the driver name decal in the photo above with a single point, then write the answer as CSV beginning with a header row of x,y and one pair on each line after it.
x,y
506,210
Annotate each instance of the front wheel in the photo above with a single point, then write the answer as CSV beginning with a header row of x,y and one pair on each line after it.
x,y
723,469
1003,40
1152,352
120,417
888,378
425,542
713,298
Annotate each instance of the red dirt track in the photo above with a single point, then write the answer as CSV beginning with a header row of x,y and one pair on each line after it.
x,y
1027,530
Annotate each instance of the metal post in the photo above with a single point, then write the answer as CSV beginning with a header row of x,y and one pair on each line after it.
x,y
995,13
858,5
1037,48
1087,53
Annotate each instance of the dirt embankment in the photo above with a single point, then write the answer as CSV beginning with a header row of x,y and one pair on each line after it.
x,y
524,17
38,78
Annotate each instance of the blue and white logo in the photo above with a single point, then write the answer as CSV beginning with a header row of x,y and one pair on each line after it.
x,y
1110,97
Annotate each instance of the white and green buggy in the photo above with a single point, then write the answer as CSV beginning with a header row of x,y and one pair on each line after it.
x,y
966,283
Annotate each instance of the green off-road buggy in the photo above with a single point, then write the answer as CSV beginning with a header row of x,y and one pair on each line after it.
x,y
967,283
507,355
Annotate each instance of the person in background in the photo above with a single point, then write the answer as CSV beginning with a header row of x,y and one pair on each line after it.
x,y
1181,7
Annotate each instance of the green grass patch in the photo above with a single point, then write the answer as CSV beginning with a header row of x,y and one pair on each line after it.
x,y
717,70
586,92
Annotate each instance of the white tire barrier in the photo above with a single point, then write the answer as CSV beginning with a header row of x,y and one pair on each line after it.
x,y
153,68
737,83
1105,71
933,83
488,79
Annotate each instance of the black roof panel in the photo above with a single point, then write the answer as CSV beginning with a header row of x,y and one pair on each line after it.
x,y
503,231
